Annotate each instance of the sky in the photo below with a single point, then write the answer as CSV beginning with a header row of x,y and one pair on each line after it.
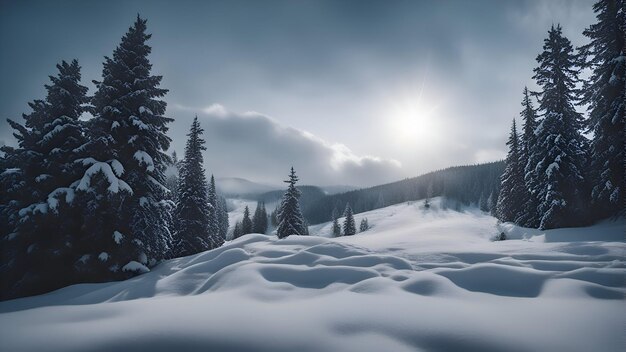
x,y
348,92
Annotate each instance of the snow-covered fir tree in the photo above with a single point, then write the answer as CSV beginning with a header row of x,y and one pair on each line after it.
x,y
246,222
124,178
336,228
222,215
605,92
192,213
560,147
237,232
289,215
510,204
349,226
259,220
42,172
214,228
364,225
529,217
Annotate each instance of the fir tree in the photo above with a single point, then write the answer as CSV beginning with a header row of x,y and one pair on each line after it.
x,y
560,144
41,174
364,226
336,229
605,92
222,215
289,216
259,220
127,142
237,232
529,217
214,228
192,214
246,223
349,226
512,189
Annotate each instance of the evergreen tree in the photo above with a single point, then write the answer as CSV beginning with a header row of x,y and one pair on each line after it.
x,y
127,143
259,220
529,217
289,216
222,215
349,226
214,227
364,226
246,223
38,177
237,232
512,189
560,144
605,92
336,229
192,214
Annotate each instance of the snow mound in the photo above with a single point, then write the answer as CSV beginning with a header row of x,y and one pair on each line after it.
x,y
420,279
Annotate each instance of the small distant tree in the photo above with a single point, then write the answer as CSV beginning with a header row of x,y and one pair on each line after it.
x,y
246,223
290,220
349,227
364,226
237,232
426,203
336,228
259,220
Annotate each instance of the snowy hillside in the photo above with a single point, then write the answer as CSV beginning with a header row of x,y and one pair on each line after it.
x,y
418,280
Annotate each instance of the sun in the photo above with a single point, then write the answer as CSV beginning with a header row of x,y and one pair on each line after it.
x,y
411,121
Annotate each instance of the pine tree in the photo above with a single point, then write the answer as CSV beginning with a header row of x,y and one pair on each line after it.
x,y
222,215
560,144
237,231
336,229
192,214
246,223
364,226
127,143
512,189
605,92
349,226
42,173
529,217
259,220
289,216
214,228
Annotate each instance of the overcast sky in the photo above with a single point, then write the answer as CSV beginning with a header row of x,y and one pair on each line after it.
x,y
349,92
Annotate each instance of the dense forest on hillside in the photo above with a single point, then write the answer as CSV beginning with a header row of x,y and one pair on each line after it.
x,y
477,184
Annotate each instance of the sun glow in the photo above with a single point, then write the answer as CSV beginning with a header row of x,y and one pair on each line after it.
x,y
411,121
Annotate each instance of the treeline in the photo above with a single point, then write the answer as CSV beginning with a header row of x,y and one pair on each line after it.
x,y
258,223
555,176
89,201
471,184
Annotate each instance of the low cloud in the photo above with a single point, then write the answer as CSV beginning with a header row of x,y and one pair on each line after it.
x,y
255,146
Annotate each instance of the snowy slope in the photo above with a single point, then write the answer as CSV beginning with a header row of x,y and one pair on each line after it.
x,y
419,280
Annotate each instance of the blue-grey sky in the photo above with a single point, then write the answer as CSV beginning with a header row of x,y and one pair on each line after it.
x,y
349,92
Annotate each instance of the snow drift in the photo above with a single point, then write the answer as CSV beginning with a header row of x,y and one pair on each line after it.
x,y
425,280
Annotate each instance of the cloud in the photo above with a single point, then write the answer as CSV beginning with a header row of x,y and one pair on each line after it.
x,y
258,147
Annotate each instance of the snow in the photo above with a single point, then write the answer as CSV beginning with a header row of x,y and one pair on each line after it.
x,y
42,177
117,237
135,266
137,122
144,159
115,184
115,125
104,256
53,197
117,167
417,280
143,109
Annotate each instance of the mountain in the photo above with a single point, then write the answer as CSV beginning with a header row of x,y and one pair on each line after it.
x,y
469,184
236,187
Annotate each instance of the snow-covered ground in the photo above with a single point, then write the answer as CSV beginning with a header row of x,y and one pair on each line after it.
x,y
418,280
